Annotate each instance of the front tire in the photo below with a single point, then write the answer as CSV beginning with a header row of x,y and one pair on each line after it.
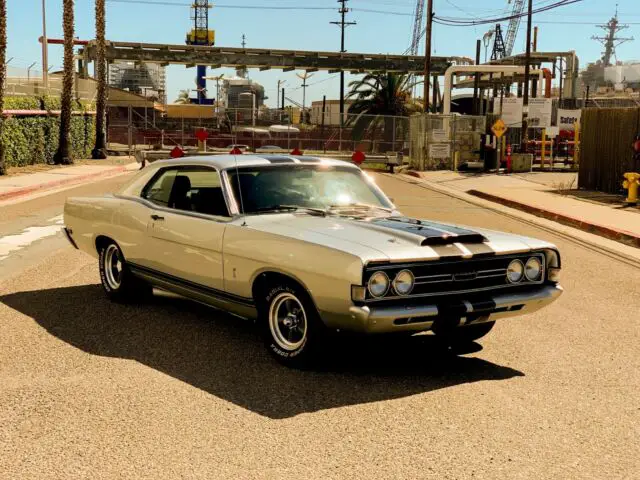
x,y
291,327
118,282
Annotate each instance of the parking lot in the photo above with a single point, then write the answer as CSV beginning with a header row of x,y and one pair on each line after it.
x,y
169,388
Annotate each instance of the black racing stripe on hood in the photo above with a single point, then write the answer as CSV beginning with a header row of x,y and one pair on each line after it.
x,y
433,233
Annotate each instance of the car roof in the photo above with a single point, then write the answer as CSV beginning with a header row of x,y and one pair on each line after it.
x,y
223,162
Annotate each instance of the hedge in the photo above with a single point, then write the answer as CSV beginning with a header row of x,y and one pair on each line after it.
x,y
33,140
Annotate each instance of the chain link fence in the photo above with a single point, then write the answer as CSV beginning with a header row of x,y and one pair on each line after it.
x,y
144,125
444,142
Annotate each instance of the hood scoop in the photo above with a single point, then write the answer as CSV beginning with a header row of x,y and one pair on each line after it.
x,y
433,233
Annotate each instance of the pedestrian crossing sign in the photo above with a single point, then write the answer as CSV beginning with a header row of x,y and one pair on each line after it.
x,y
499,128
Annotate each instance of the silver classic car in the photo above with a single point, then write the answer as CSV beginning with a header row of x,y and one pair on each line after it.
x,y
306,246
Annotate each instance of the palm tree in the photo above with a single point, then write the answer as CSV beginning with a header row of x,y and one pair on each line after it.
x,y
378,98
100,149
3,74
183,97
63,155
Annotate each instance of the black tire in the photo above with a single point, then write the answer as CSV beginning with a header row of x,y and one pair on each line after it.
x,y
466,334
118,282
290,325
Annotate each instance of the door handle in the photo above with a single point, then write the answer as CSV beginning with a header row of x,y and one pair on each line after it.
x,y
157,217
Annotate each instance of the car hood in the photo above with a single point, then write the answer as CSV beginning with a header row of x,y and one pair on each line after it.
x,y
394,238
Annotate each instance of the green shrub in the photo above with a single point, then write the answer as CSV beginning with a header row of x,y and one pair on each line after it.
x,y
22,103
33,140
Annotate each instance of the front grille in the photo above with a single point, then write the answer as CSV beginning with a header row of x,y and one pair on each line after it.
x,y
454,277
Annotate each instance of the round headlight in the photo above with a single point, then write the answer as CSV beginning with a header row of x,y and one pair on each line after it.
x,y
533,269
515,271
378,284
403,283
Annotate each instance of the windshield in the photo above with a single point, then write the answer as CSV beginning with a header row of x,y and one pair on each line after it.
x,y
278,187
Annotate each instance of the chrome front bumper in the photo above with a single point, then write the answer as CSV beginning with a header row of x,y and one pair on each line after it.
x,y
380,319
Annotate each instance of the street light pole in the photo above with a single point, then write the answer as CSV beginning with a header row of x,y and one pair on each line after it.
x,y
427,55
45,53
527,77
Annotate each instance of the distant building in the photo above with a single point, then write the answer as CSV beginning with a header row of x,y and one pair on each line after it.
x,y
232,90
331,113
146,79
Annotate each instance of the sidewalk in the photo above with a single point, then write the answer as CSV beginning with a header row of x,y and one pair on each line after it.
x,y
13,187
534,193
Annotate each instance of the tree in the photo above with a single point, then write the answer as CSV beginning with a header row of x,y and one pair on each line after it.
x,y
378,98
183,97
100,149
3,75
63,155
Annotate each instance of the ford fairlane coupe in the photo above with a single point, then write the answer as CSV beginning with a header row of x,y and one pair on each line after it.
x,y
306,246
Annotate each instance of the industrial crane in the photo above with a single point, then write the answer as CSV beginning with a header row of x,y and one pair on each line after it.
x,y
505,48
417,28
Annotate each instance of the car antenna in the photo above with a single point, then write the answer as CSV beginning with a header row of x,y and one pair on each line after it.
x,y
244,218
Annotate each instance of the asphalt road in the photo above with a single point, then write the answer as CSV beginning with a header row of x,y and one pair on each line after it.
x,y
172,389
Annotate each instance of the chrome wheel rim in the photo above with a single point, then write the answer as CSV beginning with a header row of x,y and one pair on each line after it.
x,y
113,267
288,322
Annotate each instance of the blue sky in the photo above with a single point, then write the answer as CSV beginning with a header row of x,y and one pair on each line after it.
x,y
311,30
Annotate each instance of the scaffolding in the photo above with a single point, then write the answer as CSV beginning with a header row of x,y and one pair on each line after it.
x,y
146,79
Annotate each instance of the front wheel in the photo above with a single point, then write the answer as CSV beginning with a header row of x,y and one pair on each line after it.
x,y
291,326
117,280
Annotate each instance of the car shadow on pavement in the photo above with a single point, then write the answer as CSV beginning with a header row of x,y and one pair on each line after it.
x,y
225,357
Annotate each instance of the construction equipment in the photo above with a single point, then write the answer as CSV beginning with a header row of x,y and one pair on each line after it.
x,y
504,48
417,28
202,36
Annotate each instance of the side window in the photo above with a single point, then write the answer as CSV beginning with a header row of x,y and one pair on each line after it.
x,y
204,194
158,190
190,189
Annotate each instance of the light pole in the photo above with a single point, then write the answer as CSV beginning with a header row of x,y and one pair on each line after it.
x,y
486,39
253,117
304,77
29,72
45,46
280,82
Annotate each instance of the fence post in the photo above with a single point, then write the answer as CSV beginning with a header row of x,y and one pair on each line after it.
x,y
130,128
182,131
393,144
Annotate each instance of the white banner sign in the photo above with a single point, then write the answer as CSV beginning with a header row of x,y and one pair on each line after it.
x,y
512,112
540,112
568,118
439,150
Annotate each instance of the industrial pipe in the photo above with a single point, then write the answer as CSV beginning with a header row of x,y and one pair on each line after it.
x,y
60,41
455,69
547,82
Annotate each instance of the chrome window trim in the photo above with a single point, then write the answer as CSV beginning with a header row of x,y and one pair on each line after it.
x,y
160,171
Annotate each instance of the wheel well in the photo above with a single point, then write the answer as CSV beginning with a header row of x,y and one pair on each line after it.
x,y
101,241
262,282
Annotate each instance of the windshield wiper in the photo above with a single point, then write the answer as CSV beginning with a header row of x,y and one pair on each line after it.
x,y
362,206
291,208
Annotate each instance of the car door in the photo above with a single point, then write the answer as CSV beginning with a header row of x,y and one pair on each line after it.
x,y
186,226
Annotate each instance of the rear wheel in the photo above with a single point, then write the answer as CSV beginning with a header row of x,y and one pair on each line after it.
x,y
291,327
118,282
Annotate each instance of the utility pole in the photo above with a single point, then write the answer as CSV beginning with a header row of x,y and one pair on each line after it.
x,y
244,40
280,82
427,54
527,77
45,52
343,25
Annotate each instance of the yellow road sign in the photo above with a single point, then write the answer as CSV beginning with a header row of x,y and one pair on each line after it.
x,y
499,128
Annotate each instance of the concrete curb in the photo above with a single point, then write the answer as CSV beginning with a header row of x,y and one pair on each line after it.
x,y
621,236
614,249
18,192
